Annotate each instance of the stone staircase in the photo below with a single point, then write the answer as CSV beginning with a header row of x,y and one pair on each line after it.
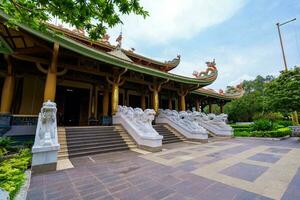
x,y
170,135
214,138
81,141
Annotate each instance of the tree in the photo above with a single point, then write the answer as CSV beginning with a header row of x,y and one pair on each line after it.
x,y
244,108
283,93
94,16
252,102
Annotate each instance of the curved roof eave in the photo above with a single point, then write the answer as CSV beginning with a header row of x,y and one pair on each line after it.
x,y
217,95
104,57
171,64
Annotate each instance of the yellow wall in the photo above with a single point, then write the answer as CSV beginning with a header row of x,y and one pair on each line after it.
x,y
32,95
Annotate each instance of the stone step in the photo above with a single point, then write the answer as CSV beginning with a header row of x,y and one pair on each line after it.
x,y
92,139
80,141
91,148
95,143
168,135
84,153
95,132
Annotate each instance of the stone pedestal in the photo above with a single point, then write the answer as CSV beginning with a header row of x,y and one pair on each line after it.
x,y
295,131
44,159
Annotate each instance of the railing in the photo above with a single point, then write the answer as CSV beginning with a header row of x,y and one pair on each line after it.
x,y
184,123
138,124
24,120
213,123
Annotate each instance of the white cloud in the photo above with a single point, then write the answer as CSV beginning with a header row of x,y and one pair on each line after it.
x,y
235,63
174,19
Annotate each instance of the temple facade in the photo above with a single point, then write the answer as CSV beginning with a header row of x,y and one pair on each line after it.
x,y
90,81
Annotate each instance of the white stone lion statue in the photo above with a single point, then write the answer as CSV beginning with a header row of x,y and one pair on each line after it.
x,y
46,132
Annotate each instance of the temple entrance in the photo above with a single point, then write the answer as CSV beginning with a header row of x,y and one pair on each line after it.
x,y
72,105
134,101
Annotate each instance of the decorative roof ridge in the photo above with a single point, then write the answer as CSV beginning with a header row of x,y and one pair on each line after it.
x,y
118,52
172,63
238,92
77,47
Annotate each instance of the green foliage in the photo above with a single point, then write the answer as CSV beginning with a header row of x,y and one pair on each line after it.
x,y
284,123
6,142
267,97
215,109
283,93
5,146
240,125
244,108
272,116
93,16
273,134
262,125
12,172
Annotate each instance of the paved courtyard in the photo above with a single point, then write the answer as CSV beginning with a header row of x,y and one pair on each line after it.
x,y
232,169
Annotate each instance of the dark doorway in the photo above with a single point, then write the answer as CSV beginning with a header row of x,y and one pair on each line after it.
x,y
73,106
134,101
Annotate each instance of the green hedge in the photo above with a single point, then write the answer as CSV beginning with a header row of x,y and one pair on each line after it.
x,y
12,172
281,132
240,125
242,129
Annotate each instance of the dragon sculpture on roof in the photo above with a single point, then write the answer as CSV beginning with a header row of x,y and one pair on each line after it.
x,y
211,70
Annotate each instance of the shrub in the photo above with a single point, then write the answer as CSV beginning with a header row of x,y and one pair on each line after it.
x,y
284,123
272,116
276,133
240,125
6,142
12,172
262,125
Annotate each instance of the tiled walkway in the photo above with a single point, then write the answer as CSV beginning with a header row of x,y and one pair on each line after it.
x,y
233,169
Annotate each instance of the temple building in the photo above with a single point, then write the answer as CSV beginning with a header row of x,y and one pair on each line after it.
x,y
88,80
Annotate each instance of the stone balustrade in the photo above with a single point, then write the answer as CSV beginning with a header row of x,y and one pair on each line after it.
x,y
138,124
213,123
184,122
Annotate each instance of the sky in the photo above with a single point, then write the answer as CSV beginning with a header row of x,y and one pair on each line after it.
x,y
241,35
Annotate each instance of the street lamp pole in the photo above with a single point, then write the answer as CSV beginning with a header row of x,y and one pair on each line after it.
x,y
281,42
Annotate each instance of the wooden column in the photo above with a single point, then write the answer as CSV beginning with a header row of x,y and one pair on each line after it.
x,y
182,93
155,100
94,102
105,102
222,107
170,103
50,86
8,88
143,101
202,107
115,82
210,108
155,89
182,103
197,105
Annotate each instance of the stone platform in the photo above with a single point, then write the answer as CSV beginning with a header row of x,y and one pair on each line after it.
x,y
231,169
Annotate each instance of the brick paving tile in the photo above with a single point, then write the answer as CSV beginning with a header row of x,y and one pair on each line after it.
x,y
278,150
248,172
264,157
162,193
94,195
128,175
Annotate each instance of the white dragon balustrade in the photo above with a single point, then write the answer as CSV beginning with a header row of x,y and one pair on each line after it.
x,y
214,123
46,145
184,123
138,124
